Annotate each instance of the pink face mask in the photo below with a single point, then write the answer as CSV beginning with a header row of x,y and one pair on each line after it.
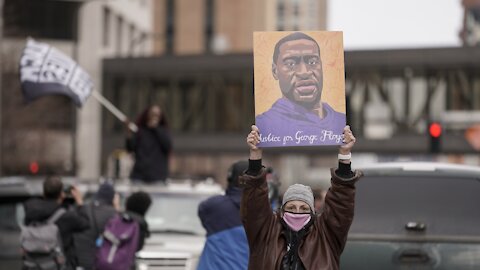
x,y
296,221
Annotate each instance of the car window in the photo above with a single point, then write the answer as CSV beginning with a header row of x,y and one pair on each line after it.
x,y
11,216
175,213
446,205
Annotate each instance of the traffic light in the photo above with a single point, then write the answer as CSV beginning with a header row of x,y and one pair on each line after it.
x,y
435,134
33,167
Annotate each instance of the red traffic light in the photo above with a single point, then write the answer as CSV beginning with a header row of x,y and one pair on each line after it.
x,y
435,130
34,167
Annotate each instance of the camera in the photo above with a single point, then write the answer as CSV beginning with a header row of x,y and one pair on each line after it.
x,y
68,201
67,189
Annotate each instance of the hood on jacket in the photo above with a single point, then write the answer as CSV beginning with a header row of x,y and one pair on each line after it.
x,y
235,194
37,210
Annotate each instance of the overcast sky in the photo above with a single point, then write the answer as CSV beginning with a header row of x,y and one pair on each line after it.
x,y
377,24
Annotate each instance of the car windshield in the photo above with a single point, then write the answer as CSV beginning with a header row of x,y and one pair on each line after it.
x,y
175,213
446,205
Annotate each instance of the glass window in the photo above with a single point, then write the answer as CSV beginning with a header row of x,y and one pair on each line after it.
x,y
446,205
119,35
182,217
41,19
106,26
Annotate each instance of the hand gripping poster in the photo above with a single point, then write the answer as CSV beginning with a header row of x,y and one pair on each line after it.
x,y
299,88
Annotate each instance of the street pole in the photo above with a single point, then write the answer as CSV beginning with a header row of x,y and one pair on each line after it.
x,y
1,90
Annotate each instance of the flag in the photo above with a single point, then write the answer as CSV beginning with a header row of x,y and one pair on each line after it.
x,y
45,70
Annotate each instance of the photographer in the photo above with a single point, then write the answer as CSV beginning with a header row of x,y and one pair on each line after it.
x,y
72,221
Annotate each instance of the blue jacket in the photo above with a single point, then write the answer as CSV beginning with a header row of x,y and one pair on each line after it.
x,y
226,246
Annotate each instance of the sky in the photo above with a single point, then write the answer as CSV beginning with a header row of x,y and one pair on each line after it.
x,y
387,24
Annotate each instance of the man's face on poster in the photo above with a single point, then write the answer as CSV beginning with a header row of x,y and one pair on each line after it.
x,y
298,69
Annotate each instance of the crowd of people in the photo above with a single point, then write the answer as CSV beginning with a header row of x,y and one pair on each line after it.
x,y
84,229
251,226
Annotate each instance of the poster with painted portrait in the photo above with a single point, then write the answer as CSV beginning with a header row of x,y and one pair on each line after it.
x,y
299,88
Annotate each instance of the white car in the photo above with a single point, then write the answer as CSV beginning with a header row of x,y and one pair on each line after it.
x,y
177,236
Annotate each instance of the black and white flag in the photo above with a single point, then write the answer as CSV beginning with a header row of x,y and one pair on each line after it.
x,y
45,70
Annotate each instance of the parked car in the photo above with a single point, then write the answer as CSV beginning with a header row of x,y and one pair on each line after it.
x,y
177,236
415,216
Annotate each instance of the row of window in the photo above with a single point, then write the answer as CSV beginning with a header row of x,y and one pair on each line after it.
x,y
298,14
41,19
127,37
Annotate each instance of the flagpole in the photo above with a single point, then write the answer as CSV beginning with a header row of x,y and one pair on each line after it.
x,y
105,102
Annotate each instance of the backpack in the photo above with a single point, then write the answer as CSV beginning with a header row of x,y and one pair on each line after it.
x,y
42,245
119,243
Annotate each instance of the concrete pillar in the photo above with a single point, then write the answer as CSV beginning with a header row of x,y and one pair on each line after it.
x,y
88,139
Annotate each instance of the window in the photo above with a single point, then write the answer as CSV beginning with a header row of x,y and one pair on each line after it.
x,y
281,15
133,40
209,21
106,27
296,15
119,35
41,19
445,204
170,31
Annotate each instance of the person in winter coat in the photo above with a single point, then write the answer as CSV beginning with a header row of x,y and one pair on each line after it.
x,y
136,206
99,211
226,246
73,221
295,238
151,145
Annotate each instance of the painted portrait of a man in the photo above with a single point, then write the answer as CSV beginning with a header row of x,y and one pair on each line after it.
x,y
300,116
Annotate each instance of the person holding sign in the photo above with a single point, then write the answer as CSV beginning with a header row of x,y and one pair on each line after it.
x,y
294,237
299,117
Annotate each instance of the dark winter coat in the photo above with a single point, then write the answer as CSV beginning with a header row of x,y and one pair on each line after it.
x,y
73,221
143,225
152,149
85,242
325,239
226,246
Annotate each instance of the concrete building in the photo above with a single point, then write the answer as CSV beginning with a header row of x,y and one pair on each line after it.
x,y
202,75
203,79
186,27
50,132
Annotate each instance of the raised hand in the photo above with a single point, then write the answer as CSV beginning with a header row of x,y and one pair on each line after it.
x,y
349,141
253,139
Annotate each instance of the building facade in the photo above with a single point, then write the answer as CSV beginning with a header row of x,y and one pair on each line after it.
x,y
185,27
202,76
50,134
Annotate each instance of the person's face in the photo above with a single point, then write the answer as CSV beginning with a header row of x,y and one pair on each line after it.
x,y
297,207
298,70
154,115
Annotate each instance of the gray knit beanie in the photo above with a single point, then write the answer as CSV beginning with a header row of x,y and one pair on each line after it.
x,y
299,192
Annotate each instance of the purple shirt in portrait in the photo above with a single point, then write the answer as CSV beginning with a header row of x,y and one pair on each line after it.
x,y
289,124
